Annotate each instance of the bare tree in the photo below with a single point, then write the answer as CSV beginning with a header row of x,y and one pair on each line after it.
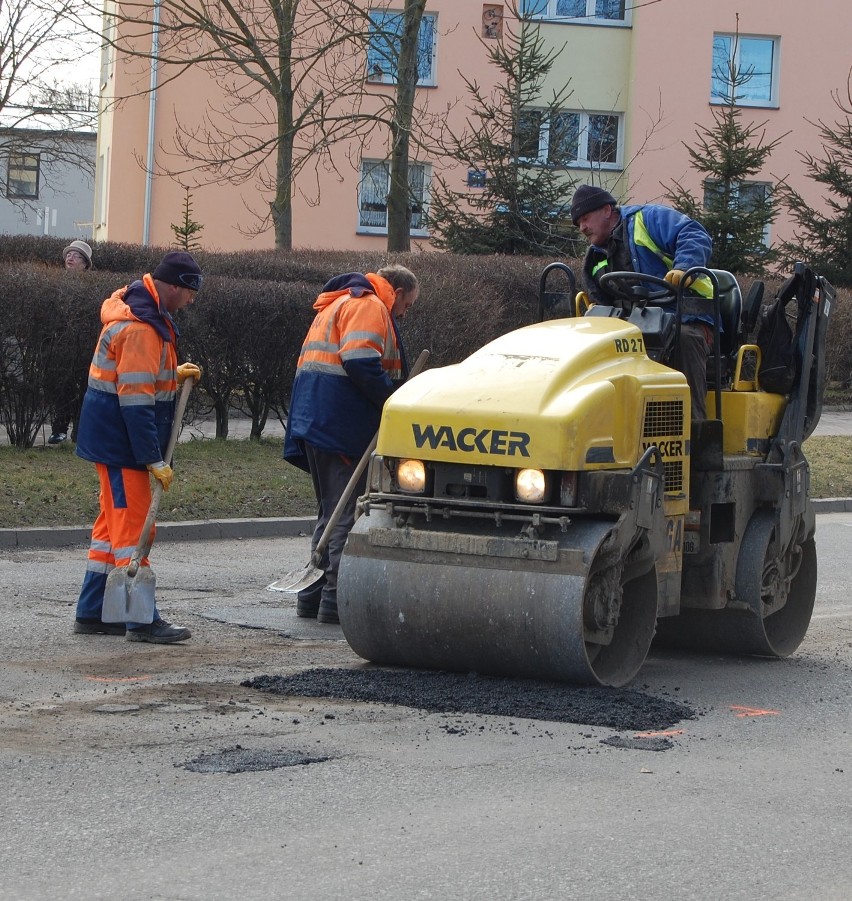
x,y
38,38
291,77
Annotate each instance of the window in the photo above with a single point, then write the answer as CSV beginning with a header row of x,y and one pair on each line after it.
x,y
373,196
384,46
597,11
22,177
747,196
571,139
745,69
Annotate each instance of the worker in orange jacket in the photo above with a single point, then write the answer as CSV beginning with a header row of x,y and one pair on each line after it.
x,y
125,424
351,361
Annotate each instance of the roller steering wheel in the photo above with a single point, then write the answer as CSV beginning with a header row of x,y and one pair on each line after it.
x,y
622,285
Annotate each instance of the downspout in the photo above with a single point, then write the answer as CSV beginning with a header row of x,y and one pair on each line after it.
x,y
152,115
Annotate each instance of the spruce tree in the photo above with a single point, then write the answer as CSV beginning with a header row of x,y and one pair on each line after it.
x,y
188,230
514,202
734,209
824,240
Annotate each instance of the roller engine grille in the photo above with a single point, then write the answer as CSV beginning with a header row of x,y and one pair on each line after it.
x,y
663,418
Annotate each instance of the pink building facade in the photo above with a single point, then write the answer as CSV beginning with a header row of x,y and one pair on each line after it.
x,y
641,81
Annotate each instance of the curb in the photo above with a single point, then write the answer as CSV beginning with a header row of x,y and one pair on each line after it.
x,y
193,530
236,529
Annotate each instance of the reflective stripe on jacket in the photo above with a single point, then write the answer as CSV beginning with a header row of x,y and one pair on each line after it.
x,y
128,408
350,363
659,239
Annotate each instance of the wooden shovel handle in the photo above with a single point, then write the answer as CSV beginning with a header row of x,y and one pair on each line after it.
x,y
146,539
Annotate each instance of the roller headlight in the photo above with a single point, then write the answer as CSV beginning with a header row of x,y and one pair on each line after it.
x,y
411,476
531,486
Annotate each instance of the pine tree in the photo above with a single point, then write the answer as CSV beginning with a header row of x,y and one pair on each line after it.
x,y
735,209
824,241
514,202
188,230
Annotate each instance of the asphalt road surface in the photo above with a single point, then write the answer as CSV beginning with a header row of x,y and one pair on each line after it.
x,y
131,771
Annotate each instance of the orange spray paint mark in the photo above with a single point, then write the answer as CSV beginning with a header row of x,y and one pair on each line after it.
x,y
752,711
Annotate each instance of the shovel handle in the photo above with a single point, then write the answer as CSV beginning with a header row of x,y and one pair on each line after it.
x,y
146,538
316,557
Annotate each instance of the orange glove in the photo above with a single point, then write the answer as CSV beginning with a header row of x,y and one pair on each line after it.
x,y
188,371
162,472
674,276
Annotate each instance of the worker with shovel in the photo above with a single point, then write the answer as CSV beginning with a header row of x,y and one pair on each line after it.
x,y
351,362
125,428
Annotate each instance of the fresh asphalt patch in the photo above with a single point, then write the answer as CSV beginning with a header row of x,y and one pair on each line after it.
x,y
247,760
438,692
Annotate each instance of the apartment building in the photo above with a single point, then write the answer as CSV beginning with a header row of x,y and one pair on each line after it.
x,y
641,80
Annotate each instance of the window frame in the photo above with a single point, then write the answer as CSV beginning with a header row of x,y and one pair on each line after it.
x,y
375,30
736,42
581,161
23,156
549,14
373,164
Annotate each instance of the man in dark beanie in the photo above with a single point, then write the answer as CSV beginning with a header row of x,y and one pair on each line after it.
x,y
655,240
125,426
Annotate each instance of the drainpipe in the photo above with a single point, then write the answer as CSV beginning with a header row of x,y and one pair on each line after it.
x,y
152,114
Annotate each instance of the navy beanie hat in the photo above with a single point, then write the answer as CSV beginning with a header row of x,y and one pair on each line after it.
x,y
588,198
179,268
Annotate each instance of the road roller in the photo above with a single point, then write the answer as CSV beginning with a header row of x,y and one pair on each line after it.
x,y
546,508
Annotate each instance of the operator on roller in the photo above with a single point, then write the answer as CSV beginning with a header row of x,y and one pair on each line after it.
x,y
654,240
351,361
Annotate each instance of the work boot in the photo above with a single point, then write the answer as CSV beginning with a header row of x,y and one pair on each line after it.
x,y
96,627
308,600
327,612
159,632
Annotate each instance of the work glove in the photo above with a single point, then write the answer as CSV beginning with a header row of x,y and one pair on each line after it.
x,y
582,302
674,276
188,371
162,472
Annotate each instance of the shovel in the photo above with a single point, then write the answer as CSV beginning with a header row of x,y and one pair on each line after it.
x,y
129,591
311,573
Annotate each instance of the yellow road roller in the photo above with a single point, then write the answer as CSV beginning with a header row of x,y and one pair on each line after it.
x,y
544,508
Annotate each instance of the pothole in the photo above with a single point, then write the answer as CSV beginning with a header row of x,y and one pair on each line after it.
x,y
436,692
639,743
249,760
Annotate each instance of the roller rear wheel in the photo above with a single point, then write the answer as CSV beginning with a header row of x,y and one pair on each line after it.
x,y
779,589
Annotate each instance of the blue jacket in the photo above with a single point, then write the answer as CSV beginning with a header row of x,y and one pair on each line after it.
x,y
680,243
351,361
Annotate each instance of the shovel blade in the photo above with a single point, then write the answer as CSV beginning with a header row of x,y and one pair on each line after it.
x,y
129,599
297,580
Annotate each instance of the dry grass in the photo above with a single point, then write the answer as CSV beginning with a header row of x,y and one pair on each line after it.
x,y
236,479
213,480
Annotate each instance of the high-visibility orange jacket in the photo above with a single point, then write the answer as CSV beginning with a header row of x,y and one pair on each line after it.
x,y
129,405
350,363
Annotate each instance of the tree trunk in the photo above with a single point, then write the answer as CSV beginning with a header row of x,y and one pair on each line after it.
x,y
399,194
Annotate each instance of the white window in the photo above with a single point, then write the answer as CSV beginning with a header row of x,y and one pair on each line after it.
x,y
745,195
373,196
384,46
22,175
745,69
599,12
572,139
